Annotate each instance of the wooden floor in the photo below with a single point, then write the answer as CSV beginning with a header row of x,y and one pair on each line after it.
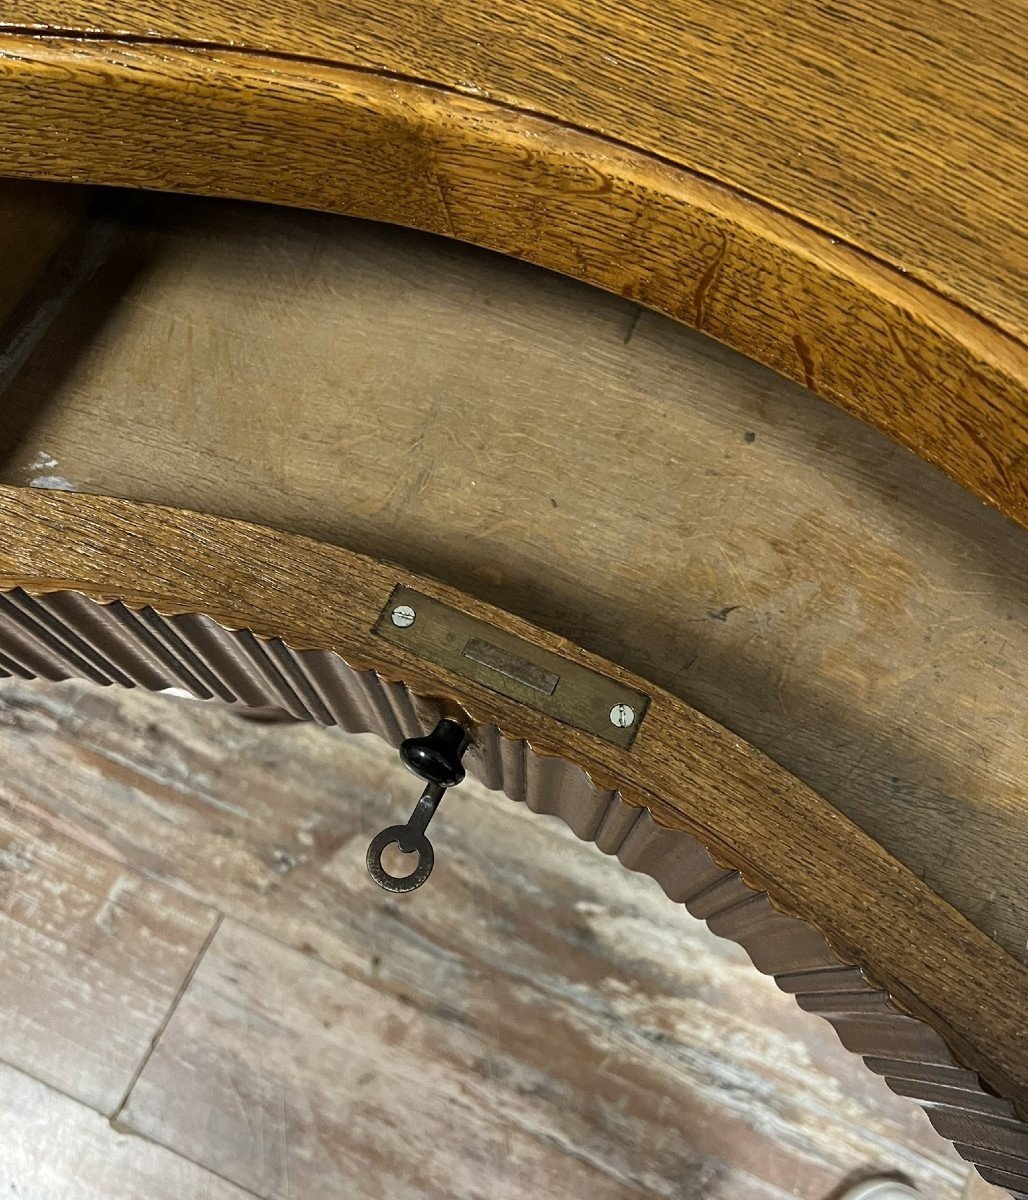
x,y
203,995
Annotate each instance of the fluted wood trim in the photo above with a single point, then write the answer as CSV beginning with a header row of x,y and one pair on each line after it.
x,y
65,634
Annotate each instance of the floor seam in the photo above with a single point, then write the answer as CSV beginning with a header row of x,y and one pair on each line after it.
x,y
187,980
57,1090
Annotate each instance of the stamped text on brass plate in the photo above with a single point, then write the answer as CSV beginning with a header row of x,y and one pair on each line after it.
x,y
513,667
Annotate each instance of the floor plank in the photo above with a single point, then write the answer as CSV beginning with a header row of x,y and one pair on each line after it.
x,y
92,957
570,1021
290,1078
52,1148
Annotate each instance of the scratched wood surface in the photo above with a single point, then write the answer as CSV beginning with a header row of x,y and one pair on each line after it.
x,y
108,949
679,509
537,1021
893,126
52,1148
855,228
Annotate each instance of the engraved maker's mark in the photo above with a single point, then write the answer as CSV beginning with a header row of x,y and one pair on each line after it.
x,y
512,665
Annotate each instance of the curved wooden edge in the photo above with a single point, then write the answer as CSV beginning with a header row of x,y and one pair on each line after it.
x,y
59,635
937,378
906,980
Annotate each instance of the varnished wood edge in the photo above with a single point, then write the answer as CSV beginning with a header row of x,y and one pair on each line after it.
x,y
107,590
60,635
203,119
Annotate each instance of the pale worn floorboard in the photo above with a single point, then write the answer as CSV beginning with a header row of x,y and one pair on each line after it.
x,y
52,1148
275,1067
536,1022
92,956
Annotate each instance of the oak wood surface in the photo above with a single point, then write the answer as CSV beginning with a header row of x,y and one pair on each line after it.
x,y
895,312
592,468
689,772
32,405
607,1043
894,127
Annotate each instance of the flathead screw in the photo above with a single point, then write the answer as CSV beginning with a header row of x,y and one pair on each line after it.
x,y
622,715
403,616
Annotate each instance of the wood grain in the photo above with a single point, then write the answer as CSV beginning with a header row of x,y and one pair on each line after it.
x,y
691,774
113,949
599,471
50,1146
896,127
124,647
589,1020
641,216
276,1070
781,288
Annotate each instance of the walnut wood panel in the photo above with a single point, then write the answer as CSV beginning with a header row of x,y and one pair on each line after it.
x,y
927,362
718,825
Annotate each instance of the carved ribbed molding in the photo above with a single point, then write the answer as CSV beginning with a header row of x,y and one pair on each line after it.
x,y
66,635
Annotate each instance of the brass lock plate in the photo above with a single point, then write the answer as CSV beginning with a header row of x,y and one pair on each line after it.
x,y
547,682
